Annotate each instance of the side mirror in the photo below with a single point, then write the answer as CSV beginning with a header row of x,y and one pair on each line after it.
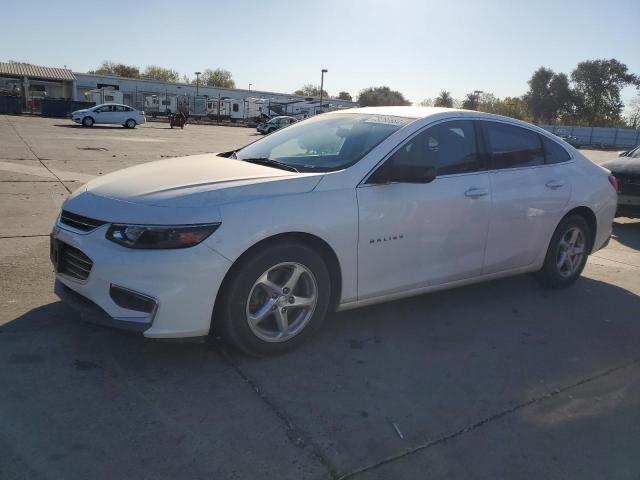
x,y
404,174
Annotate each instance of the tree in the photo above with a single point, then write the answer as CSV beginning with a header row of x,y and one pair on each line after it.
x,y
310,90
538,98
514,107
160,73
427,102
562,96
550,96
345,96
120,69
379,96
633,112
597,88
443,100
471,101
216,78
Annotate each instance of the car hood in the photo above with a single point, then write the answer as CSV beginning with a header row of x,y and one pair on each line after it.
x,y
623,166
177,189
84,110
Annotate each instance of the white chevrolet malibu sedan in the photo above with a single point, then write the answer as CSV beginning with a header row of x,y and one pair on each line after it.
x,y
345,209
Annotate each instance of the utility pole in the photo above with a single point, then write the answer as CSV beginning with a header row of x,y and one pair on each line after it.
x,y
322,72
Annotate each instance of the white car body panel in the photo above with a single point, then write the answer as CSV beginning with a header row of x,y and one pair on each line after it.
x,y
449,238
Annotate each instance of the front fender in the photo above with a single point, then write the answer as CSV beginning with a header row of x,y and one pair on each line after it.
x,y
329,215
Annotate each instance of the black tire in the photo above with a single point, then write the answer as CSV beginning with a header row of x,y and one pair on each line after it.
x,y
550,275
131,123
87,122
230,318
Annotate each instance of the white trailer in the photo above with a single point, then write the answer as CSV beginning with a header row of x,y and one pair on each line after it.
x,y
161,103
103,95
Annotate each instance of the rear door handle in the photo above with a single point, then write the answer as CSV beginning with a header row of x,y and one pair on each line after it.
x,y
554,184
476,192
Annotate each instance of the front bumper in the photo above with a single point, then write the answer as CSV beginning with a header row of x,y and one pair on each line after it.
x,y
90,312
182,283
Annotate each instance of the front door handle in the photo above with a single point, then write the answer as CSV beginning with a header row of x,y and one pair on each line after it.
x,y
476,192
554,184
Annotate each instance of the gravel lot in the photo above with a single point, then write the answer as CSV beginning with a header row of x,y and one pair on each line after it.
x,y
497,380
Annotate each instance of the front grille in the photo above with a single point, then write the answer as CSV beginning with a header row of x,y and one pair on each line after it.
x,y
71,261
79,222
628,185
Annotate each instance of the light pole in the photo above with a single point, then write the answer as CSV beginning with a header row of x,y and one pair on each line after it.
x,y
322,72
477,93
197,82
250,86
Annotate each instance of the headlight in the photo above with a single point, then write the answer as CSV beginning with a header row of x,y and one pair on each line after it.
x,y
160,236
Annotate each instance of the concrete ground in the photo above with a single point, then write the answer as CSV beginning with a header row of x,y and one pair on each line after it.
x,y
497,380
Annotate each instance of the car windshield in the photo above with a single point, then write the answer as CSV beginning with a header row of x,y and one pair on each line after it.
x,y
324,143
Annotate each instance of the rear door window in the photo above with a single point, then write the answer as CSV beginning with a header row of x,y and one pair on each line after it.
x,y
512,147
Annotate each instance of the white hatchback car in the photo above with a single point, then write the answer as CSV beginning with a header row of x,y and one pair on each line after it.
x,y
345,209
109,113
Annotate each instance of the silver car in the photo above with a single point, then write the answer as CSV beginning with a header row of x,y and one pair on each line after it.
x,y
109,113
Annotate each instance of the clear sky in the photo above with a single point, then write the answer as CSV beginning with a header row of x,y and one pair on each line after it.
x,y
418,47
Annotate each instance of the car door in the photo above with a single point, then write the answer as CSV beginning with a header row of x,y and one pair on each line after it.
x,y
413,235
529,195
122,114
105,114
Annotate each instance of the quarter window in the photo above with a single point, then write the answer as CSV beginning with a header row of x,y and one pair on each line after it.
x,y
554,152
449,147
512,146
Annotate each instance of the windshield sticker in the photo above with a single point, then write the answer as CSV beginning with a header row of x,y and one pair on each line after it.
x,y
388,120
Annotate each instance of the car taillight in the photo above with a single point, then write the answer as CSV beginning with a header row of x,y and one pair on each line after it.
x,y
614,182
142,112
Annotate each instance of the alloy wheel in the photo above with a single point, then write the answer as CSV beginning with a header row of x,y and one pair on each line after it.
x,y
571,252
281,302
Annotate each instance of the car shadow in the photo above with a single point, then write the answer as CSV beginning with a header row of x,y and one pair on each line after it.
x,y
432,365
627,233
96,127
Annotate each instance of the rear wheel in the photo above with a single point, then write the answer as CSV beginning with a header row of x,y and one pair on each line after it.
x,y
87,122
567,253
131,123
275,300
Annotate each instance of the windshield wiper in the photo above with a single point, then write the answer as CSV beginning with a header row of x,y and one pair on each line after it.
x,y
270,163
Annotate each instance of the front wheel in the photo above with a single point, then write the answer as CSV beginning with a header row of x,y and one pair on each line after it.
x,y
275,299
87,121
567,253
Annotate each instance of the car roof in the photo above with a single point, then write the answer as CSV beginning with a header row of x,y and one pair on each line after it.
x,y
112,103
437,113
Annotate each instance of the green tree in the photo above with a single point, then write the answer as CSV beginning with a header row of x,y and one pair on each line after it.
x,y
514,107
471,101
444,99
379,96
633,112
310,90
345,96
216,78
539,100
120,69
161,73
549,97
597,85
